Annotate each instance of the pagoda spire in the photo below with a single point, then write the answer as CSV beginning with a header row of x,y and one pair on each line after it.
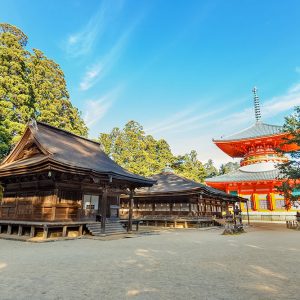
x,y
256,105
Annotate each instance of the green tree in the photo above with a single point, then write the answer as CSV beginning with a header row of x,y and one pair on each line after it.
x,y
142,154
31,85
51,97
290,171
228,167
16,101
211,170
135,151
190,167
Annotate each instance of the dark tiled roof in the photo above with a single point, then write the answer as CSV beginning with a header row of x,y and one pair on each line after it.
x,y
170,183
239,176
259,129
77,152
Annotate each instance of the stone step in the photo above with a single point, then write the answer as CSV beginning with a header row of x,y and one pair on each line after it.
x,y
111,227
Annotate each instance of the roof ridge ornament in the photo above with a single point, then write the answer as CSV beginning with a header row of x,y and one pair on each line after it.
x,y
32,124
168,169
256,106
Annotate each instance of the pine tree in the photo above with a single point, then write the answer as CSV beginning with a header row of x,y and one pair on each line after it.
x,y
16,101
228,167
51,97
211,170
142,154
190,167
290,171
31,86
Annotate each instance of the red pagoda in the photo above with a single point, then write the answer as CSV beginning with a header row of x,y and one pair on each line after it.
x,y
257,177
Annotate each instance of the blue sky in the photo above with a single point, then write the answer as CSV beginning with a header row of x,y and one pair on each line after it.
x,y
183,69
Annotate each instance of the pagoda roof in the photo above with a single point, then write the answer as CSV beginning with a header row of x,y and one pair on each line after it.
x,y
70,152
259,129
172,184
244,176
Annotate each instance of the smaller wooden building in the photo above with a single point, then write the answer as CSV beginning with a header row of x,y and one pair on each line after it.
x,y
175,198
53,178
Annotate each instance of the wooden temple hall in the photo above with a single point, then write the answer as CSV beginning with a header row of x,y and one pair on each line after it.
x,y
178,202
55,183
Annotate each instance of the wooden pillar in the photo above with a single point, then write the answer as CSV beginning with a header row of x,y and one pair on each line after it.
x,y
103,209
32,231
45,232
53,213
9,227
255,202
54,202
272,201
20,230
130,212
64,233
198,204
80,230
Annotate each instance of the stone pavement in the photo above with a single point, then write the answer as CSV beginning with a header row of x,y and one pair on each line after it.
x,y
173,264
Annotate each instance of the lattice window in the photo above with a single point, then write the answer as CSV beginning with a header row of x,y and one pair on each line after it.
x,y
280,204
264,204
263,201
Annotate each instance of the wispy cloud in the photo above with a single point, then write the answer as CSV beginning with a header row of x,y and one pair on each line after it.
x,y
103,65
96,109
190,117
270,108
81,42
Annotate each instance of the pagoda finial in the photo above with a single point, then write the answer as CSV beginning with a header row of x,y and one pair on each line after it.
x,y
256,105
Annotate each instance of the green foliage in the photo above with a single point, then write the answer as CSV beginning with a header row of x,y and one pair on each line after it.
x,y
137,152
211,170
190,167
228,167
31,85
290,171
142,154
51,97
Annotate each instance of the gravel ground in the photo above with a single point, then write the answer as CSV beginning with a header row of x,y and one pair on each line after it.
x,y
178,264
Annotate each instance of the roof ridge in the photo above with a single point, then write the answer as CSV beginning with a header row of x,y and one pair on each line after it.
x,y
68,132
228,137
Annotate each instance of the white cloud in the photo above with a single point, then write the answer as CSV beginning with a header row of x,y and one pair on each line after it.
x,y
195,130
100,69
82,41
96,109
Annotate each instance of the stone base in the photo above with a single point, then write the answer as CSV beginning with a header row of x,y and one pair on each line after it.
x,y
269,216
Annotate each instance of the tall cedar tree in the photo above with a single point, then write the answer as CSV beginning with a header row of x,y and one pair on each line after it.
x,y
31,85
142,154
290,171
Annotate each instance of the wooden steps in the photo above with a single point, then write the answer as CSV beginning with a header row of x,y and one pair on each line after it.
x,y
111,227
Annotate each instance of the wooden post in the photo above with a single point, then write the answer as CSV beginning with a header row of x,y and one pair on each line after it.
x,y
20,230
9,227
64,233
45,233
80,230
103,209
198,204
129,227
32,231
0,228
